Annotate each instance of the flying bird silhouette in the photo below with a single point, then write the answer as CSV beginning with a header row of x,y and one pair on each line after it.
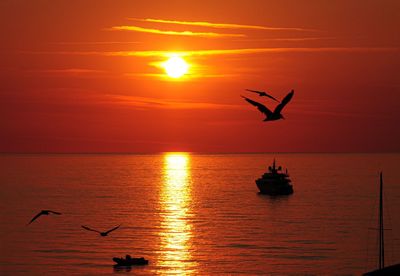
x,y
262,94
272,116
44,212
101,233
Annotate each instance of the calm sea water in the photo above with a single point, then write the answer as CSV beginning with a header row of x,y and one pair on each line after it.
x,y
196,214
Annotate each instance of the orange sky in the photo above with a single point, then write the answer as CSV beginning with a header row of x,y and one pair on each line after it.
x,y
82,76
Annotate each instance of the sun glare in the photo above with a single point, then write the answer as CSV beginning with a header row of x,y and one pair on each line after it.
x,y
176,230
176,67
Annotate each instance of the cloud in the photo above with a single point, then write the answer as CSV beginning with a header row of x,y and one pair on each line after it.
x,y
183,78
289,39
144,102
333,113
219,25
333,108
250,51
74,71
183,33
95,42
240,51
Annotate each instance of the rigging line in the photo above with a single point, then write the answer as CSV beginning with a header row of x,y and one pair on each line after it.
x,y
377,247
367,259
381,232
389,223
374,216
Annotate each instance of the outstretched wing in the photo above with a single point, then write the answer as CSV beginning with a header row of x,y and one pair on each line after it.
x,y
285,100
89,229
262,93
53,212
259,106
115,228
254,91
35,217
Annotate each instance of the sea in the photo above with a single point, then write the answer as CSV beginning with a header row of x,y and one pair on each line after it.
x,y
196,214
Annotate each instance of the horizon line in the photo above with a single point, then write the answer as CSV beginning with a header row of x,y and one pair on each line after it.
x,y
197,152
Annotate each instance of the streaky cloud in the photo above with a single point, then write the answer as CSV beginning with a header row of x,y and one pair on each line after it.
x,y
288,39
183,33
70,71
144,102
95,42
241,51
250,51
333,113
185,77
220,25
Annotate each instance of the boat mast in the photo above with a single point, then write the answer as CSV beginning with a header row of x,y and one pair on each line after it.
x,y
381,237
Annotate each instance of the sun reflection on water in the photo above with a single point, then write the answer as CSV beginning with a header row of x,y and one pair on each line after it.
x,y
176,228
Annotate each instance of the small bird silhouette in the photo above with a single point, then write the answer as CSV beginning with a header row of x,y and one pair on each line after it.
x,y
262,94
272,116
44,212
101,233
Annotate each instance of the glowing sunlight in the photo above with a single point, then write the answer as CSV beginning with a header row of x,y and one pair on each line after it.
x,y
175,67
175,201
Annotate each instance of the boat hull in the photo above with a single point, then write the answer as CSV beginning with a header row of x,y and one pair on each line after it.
x,y
132,261
387,271
274,188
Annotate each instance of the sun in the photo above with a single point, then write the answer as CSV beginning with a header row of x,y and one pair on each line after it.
x,y
175,67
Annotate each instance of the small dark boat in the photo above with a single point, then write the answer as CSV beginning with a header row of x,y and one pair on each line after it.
x,y
275,182
128,261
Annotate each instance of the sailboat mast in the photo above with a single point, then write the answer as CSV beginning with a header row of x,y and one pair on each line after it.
x,y
382,270
381,237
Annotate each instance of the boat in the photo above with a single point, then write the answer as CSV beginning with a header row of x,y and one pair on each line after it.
x,y
382,270
128,261
275,182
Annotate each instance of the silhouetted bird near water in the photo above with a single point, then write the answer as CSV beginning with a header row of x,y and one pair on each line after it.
x,y
272,116
262,94
44,212
101,233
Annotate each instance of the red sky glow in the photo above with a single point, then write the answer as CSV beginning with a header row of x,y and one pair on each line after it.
x,y
85,76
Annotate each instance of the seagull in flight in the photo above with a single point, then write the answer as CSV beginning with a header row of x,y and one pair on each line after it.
x,y
262,94
44,212
103,234
276,114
